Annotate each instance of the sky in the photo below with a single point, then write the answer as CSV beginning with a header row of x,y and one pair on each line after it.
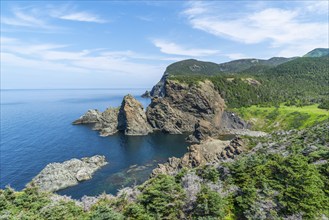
x,y
129,44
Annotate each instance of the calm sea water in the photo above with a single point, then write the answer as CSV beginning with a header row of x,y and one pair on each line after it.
x,y
36,130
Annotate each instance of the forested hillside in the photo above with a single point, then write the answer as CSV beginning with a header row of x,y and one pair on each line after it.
x,y
301,81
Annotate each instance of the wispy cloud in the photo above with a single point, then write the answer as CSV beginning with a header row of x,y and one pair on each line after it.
x,y
82,16
44,17
280,27
175,49
23,18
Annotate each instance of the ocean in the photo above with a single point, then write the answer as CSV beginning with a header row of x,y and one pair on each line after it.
x,y
36,130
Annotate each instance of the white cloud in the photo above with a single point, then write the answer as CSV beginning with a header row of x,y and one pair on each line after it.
x,y
320,6
175,49
50,56
82,16
236,56
286,28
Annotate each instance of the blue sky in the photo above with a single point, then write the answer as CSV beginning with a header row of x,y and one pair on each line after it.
x,y
128,44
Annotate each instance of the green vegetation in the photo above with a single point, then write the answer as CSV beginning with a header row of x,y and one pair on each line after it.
x,y
318,52
162,197
193,67
282,117
209,205
302,81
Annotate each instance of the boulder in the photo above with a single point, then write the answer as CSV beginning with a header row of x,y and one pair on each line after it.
x,y
56,176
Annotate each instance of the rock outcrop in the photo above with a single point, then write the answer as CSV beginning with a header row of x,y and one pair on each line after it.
x,y
232,121
146,94
183,106
56,176
91,116
106,122
208,152
132,118
129,118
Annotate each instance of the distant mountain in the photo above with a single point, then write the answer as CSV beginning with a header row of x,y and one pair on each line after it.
x,y
193,67
244,64
318,52
196,67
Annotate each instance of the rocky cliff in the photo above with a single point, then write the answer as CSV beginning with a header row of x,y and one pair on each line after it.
x,y
56,176
184,105
130,118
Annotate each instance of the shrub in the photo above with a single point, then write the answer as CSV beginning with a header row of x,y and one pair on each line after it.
x,y
163,197
209,204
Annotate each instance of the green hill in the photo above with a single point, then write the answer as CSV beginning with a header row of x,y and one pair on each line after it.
x,y
193,67
318,52
244,64
301,81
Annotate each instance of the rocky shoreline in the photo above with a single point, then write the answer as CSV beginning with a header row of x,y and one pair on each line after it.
x,y
196,109
56,176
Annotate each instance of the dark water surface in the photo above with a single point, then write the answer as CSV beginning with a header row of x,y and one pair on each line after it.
x,y
36,130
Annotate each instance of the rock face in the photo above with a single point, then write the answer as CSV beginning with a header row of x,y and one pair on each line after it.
x,y
184,106
129,118
132,118
209,151
56,176
159,90
231,121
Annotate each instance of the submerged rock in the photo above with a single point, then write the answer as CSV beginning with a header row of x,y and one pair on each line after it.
x,y
56,176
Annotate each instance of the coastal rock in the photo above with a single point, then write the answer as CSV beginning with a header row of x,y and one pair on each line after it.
x,y
159,90
184,105
56,176
202,130
132,118
146,94
106,122
129,118
208,152
91,116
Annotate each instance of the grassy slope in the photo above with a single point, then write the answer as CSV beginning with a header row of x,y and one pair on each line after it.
x,y
285,117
